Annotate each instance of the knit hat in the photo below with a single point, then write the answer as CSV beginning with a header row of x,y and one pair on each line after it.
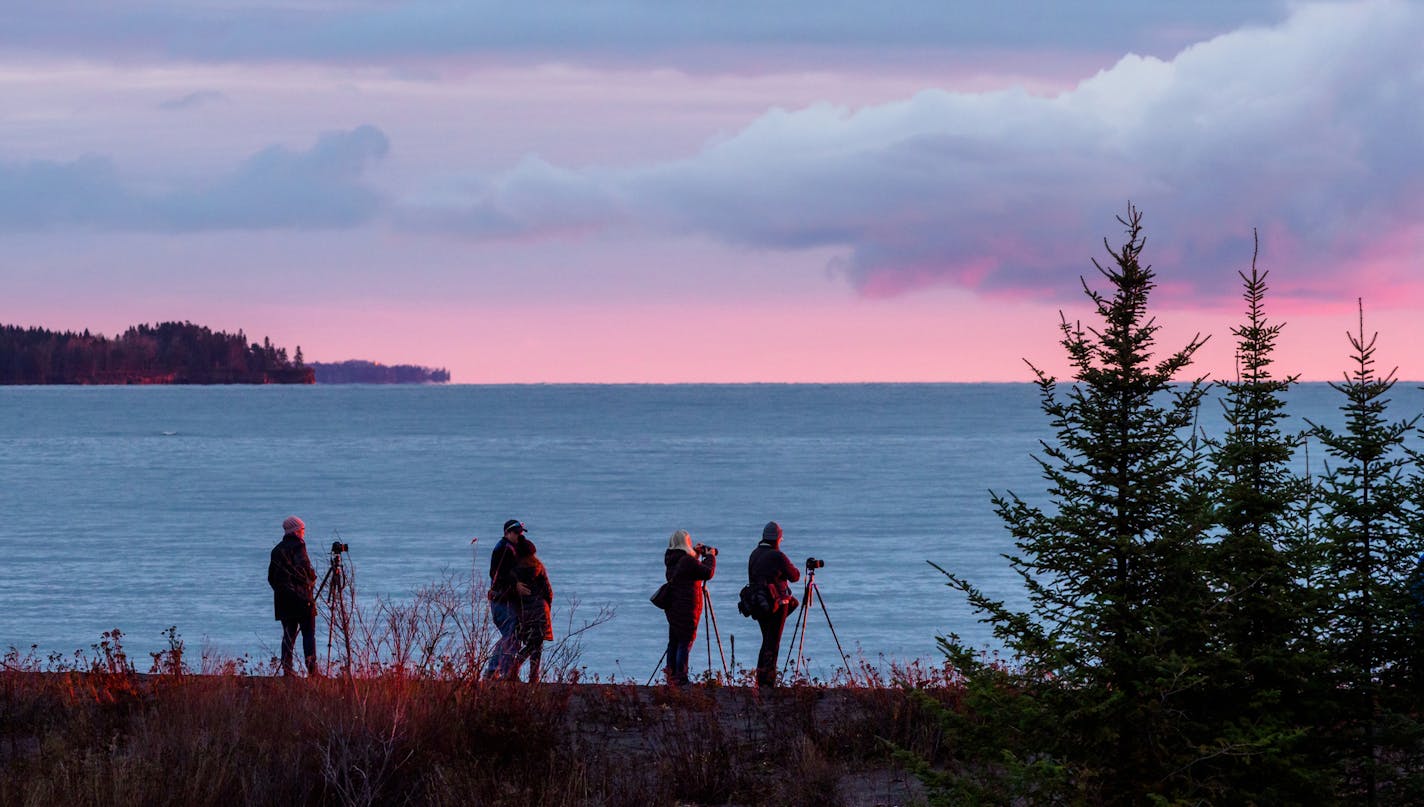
x,y
513,523
771,533
292,524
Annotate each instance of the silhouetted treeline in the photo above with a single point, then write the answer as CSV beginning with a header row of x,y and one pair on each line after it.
x,y
166,353
1206,621
366,372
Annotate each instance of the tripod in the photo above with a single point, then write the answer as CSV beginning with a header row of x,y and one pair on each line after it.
x,y
811,594
712,619
336,605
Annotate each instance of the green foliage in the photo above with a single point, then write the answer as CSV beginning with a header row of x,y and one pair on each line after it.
x,y
1259,662
1113,636
1368,546
1203,624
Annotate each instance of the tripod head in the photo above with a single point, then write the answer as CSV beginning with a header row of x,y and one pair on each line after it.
x,y
336,573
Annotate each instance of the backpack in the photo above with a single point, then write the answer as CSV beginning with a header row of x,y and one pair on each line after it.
x,y
754,601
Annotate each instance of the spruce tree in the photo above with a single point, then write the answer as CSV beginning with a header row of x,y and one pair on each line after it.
x,y
1259,659
1109,647
1368,552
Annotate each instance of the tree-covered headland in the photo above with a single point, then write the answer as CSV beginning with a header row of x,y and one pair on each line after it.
x,y
1203,624
357,371
166,353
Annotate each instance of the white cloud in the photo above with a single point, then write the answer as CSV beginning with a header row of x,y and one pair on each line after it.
x,y
1308,130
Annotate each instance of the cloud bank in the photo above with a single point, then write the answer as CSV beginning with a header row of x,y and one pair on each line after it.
x,y
1308,130
321,187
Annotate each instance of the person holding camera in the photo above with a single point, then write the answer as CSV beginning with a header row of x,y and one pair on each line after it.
x,y
769,568
688,567
505,593
293,582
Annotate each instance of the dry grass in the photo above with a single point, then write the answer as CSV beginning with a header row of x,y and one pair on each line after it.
x,y
408,720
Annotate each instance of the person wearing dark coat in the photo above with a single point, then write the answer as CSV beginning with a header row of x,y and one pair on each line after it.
x,y
535,620
293,582
768,566
504,593
686,570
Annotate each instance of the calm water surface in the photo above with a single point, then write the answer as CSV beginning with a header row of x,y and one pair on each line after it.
x,y
141,508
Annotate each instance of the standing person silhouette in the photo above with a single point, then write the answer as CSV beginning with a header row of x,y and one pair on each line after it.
x,y
769,567
687,567
535,624
293,582
504,595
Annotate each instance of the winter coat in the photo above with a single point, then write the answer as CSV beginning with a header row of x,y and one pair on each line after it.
x,y
769,566
502,562
685,576
535,609
293,580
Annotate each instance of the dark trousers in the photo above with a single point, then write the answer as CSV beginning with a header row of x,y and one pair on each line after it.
x,y
307,625
679,651
770,647
533,652
506,621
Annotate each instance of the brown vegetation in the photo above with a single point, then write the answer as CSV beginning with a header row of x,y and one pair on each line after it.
x,y
115,738
413,722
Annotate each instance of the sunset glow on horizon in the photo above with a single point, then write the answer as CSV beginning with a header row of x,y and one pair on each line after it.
x,y
660,197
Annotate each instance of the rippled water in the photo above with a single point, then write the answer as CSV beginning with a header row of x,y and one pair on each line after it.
x,y
141,508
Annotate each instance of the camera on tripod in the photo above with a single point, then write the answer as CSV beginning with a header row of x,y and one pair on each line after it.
x,y
815,563
704,549
337,547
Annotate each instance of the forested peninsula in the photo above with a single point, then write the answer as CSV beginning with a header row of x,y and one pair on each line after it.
x,y
356,371
166,353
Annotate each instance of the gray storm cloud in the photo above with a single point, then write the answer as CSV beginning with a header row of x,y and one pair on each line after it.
x,y
1308,130
320,187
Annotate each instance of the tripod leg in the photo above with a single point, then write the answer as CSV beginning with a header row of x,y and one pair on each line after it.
x,y
795,630
346,630
330,621
324,579
799,627
805,623
657,669
712,616
844,660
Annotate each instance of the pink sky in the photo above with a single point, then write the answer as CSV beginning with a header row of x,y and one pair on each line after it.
x,y
756,198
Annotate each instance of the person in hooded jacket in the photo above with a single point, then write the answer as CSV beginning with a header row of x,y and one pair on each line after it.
x,y
687,569
293,582
505,592
535,620
768,566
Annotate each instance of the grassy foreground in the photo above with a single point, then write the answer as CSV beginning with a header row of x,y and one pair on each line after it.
x,y
121,738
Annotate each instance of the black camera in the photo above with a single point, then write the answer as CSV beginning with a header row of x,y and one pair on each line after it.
x,y
704,549
813,563
337,547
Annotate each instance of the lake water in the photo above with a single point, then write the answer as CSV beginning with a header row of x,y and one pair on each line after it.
x,y
140,508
